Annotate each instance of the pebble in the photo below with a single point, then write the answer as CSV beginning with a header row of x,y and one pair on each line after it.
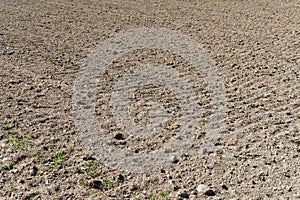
x,y
224,187
14,171
201,188
169,176
96,184
204,189
10,53
210,192
121,178
33,171
119,136
174,159
88,158
134,187
183,194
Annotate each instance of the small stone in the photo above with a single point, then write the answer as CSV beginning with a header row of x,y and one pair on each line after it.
x,y
183,194
210,192
134,187
139,151
96,184
22,181
10,53
33,171
121,178
88,158
14,171
204,189
119,136
174,159
201,188
224,187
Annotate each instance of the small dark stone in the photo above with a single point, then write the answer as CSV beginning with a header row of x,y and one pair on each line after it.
x,y
10,53
119,136
210,192
88,157
138,151
96,184
29,196
176,188
224,187
162,171
184,194
121,178
57,188
34,170
134,187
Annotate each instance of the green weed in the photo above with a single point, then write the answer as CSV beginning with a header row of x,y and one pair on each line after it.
x,y
164,193
153,197
57,157
17,144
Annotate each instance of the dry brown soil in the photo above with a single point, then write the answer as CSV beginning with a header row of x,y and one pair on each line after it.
x,y
256,47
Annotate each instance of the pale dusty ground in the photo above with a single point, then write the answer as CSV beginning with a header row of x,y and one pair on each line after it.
x,y
255,45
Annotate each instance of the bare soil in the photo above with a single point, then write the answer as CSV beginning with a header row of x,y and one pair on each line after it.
x,y
256,47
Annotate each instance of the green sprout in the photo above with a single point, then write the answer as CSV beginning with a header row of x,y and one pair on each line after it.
x,y
235,155
107,182
164,193
17,144
89,167
58,157
153,197
8,126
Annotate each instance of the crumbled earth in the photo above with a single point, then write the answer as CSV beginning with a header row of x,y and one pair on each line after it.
x,y
256,47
